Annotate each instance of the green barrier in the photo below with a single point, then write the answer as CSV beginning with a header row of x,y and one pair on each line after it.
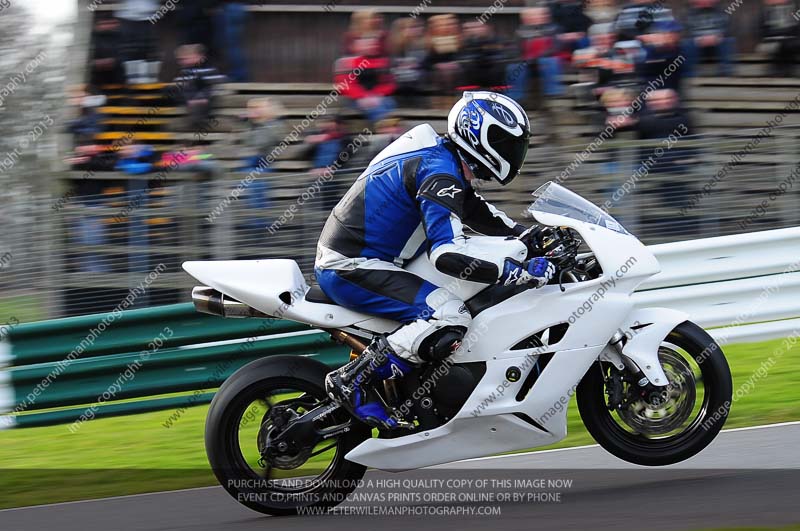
x,y
206,368
188,357
52,341
194,352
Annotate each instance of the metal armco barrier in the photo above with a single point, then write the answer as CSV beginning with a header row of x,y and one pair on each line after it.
x,y
748,286
45,381
744,287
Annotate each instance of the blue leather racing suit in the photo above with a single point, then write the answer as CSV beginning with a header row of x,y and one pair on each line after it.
x,y
413,198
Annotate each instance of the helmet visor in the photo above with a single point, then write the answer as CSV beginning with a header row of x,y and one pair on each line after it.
x,y
512,148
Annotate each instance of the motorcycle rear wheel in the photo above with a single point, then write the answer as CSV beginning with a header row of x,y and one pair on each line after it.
x,y
238,430
669,429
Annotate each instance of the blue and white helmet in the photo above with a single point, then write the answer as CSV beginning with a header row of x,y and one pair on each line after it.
x,y
492,132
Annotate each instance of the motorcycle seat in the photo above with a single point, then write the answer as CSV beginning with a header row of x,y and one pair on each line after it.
x,y
315,294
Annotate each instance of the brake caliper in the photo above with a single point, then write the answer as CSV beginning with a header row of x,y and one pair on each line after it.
x,y
615,389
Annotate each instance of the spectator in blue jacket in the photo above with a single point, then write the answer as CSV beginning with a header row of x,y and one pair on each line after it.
x,y
232,19
135,159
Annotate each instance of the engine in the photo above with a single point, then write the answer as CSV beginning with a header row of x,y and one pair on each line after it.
x,y
435,393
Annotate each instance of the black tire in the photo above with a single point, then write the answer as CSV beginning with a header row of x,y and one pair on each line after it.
x,y
222,431
636,448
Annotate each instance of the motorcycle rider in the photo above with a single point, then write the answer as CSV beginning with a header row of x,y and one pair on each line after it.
x,y
415,196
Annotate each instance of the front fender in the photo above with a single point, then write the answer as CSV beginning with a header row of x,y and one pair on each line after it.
x,y
645,329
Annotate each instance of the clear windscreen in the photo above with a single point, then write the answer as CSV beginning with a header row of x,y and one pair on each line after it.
x,y
552,198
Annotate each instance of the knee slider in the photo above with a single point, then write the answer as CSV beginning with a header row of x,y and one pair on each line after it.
x,y
441,343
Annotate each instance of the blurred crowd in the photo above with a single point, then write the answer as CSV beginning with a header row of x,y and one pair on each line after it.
x,y
596,56
600,53
126,45
126,52
606,49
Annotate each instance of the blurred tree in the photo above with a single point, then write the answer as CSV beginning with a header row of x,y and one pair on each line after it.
x,y
38,58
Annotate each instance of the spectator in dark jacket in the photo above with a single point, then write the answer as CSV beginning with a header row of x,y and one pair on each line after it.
x,y
599,67
637,17
573,24
664,120
481,56
195,83
139,40
443,45
87,124
408,53
663,116
106,65
780,28
628,58
663,63
708,36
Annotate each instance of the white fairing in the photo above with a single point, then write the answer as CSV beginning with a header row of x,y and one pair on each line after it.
x,y
642,347
277,288
478,431
493,419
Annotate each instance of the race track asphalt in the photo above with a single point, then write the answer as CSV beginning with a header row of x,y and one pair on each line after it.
x,y
747,477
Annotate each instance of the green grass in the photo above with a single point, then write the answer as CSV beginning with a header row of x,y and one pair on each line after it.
x,y
21,309
133,454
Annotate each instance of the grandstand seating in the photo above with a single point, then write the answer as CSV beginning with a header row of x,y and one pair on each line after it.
x,y
725,106
719,105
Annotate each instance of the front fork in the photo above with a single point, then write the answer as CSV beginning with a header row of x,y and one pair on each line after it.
x,y
613,353
636,343
624,371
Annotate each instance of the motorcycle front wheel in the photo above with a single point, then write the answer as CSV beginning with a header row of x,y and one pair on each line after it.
x,y
660,426
265,457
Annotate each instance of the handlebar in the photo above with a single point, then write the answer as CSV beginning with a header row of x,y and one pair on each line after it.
x,y
560,246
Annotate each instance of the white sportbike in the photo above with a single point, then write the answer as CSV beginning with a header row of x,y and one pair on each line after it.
x,y
651,386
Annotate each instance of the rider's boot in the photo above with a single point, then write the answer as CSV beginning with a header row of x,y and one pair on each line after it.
x,y
349,385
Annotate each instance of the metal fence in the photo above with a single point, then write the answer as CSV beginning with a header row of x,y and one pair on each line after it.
x,y
72,255
171,357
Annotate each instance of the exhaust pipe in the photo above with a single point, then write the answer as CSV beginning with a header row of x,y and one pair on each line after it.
x,y
355,343
210,301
